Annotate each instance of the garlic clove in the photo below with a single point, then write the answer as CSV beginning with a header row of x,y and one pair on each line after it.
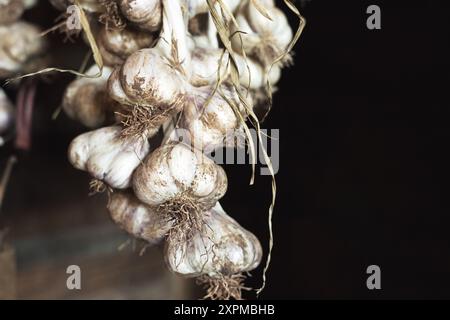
x,y
181,162
222,248
137,218
108,156
147,14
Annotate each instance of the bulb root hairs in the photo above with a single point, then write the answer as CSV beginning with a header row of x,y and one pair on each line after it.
x,y
224,287
187,217
112,18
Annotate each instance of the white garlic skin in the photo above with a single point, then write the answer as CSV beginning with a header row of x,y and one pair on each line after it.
x,y
107,156
19,42
116,45
174,169
215,124
136,218
223,248
147,14
262,38
6,112
10,11
86,99
206,62
146,79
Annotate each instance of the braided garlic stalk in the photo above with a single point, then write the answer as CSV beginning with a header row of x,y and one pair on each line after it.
x,y
164,66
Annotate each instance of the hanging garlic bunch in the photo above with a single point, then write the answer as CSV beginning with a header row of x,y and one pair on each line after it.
x,y
167,73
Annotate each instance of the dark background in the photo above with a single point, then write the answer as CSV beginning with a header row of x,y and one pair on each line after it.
x,y
363,118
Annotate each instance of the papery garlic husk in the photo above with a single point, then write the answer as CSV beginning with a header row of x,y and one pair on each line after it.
x,y
136,218
221,248
10,10
108,156
146,14
19,43
262,38
206,63
174,172
211,122
6,112
147,79
116,45
87,100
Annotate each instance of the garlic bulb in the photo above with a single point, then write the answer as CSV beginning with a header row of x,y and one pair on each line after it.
x,y
222,248
147,79
10,10
108,156
136,218
147,14
19,42
116,45
173,171
6,112
86,99
210,121
262,38
206,63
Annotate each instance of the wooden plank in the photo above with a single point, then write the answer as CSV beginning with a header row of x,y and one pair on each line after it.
x,y
7,273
